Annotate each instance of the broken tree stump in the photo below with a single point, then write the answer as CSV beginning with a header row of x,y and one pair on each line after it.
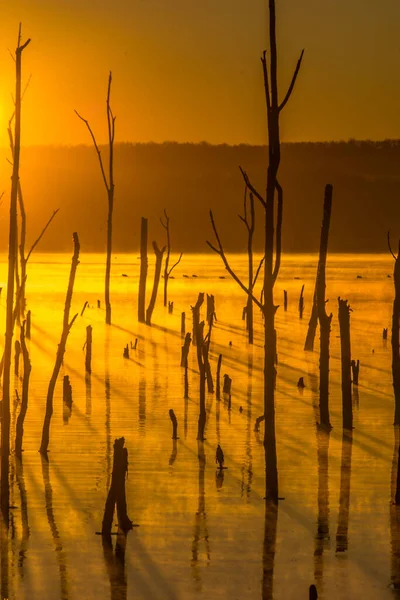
x,y
301,302
126,351
143,271
355,369
117,494
227,385
174,421
345,347
185,349
84,307
196,316
88,358
67,391
218,390
285,300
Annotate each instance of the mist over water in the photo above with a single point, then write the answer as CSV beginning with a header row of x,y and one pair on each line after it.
x,y
202,533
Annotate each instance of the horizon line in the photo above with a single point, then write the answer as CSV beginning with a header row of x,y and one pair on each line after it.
x,y
212,144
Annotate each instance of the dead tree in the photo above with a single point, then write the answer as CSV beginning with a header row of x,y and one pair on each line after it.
x,y
218,390
174,422
88,358
312,324
396,336
12,260
323,318
345,347
19,428
301,302
196,316
117,494
271,269
202,347
355,369
248,219
185,349
67,392
143,271
167,272
109,185
67,324
21,279
157,273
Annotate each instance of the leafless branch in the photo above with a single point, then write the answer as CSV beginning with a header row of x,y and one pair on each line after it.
x,y
175,265
292,83
252,188
41,235
96,148
221,253
266,80
389,246
258,271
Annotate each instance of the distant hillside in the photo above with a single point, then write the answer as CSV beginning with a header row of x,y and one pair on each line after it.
x,y
189,179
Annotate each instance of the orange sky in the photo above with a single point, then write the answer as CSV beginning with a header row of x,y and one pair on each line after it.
x,y
189,70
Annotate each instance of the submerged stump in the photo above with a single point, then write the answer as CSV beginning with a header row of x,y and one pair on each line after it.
x,y
117,495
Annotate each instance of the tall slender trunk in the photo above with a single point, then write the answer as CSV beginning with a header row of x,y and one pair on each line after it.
x,y
324,319
312,324
344,323
108,260
61,349
396,339
143,272
157,273
12,257
19,429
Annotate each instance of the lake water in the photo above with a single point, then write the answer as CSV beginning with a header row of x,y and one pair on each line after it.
x,y
203,535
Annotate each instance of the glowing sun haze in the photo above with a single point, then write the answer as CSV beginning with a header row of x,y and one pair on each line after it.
x,y
189,70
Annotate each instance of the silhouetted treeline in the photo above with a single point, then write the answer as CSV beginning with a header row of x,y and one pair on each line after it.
x,y
188,179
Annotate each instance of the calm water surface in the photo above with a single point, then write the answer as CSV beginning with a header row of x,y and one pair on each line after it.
x,y
202,534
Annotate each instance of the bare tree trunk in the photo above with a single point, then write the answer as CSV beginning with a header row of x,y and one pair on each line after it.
x,y
312,324
88,358
218,391
196,316
271,270
301,302
159,256
12,258
344,323
108,260
19,428
110,188
167,272
143,271
396,339
116,494
61,348
324,319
